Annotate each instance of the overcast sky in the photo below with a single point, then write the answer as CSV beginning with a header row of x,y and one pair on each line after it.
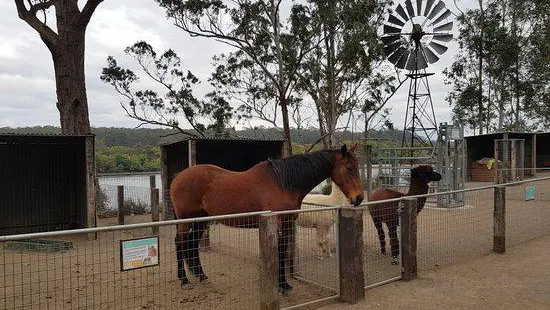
x,y
27,85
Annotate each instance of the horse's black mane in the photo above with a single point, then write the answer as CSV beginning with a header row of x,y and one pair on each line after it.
x,y
303,172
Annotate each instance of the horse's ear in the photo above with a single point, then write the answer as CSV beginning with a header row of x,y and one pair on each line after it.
x,y
344,149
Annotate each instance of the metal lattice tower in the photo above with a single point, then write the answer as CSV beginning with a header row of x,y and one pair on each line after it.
x,y
414,37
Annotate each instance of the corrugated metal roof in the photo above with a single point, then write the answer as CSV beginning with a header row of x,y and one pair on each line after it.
x,y
507,132
32,134
171,139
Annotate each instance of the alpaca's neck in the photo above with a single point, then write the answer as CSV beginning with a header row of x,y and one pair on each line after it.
x,y
418,187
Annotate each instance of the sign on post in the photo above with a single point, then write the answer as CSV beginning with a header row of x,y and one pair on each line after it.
x,y
529,193
139,253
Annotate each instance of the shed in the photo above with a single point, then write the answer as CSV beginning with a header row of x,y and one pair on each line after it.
x,y
483,146
46,183
231,154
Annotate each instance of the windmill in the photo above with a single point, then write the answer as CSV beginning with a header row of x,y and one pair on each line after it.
x,y
414,36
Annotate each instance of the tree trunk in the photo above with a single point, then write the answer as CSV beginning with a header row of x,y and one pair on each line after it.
x,y
286,124
480,68
72,102
68,60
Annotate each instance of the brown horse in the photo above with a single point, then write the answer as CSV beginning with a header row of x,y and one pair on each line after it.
x,y
387,212
275,184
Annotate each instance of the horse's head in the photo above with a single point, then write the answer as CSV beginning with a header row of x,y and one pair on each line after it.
x,y
425,173
346,174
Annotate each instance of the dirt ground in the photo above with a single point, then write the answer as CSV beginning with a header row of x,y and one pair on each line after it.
x,y
517,279
456,269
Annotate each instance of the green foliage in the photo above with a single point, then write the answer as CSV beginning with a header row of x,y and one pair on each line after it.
x,y
509,91
178,100
125,159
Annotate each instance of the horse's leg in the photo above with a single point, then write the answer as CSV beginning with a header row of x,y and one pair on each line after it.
x,y
181,251
283,241
381,235
193,259
394,241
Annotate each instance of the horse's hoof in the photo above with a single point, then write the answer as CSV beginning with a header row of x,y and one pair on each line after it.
x,y
184,282
285,288
202,277
394,260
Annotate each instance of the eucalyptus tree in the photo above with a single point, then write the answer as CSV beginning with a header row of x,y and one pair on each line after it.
x,y
174,100
511,37
65,39
263,41
337,74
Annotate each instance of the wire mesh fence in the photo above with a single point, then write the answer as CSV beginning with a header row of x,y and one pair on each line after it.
x,y
78,273
74,271
448,235
380,231
527,211
314,270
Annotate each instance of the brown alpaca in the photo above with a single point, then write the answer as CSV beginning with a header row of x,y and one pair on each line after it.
x,y
387,212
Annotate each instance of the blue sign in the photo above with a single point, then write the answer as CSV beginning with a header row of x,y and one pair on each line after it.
x,y
529,193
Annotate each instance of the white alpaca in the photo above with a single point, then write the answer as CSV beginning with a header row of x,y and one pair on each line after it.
x,y
321,221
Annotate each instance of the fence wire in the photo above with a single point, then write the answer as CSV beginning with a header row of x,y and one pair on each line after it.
x,y
449,235
314,272
378,267
527,211
77,273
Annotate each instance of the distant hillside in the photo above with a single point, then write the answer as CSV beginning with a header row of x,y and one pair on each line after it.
x,y
135,137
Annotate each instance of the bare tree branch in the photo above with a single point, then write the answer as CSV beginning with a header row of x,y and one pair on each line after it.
x,y
47,35
87,11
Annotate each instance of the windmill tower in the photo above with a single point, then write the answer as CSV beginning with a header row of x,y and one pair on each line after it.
x,y
414,36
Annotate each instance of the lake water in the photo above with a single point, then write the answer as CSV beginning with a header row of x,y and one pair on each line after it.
x,y
136,187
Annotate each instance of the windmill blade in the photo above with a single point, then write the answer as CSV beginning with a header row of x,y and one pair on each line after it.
x,y
403,60
429,4
442,17
418,7
393,58
399,9
437,8
430,56
421,62
389,49
445,27
410,9
417,61
394,20
387,40
443,37
391,29
440,49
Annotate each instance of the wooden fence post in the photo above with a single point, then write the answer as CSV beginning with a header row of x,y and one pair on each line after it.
x,y
368,156
408,239
92,184
350,246
155,208
269,262
120,199
499,220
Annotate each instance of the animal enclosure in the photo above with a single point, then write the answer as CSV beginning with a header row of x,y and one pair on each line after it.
x,y
88,275
233,154
46,183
